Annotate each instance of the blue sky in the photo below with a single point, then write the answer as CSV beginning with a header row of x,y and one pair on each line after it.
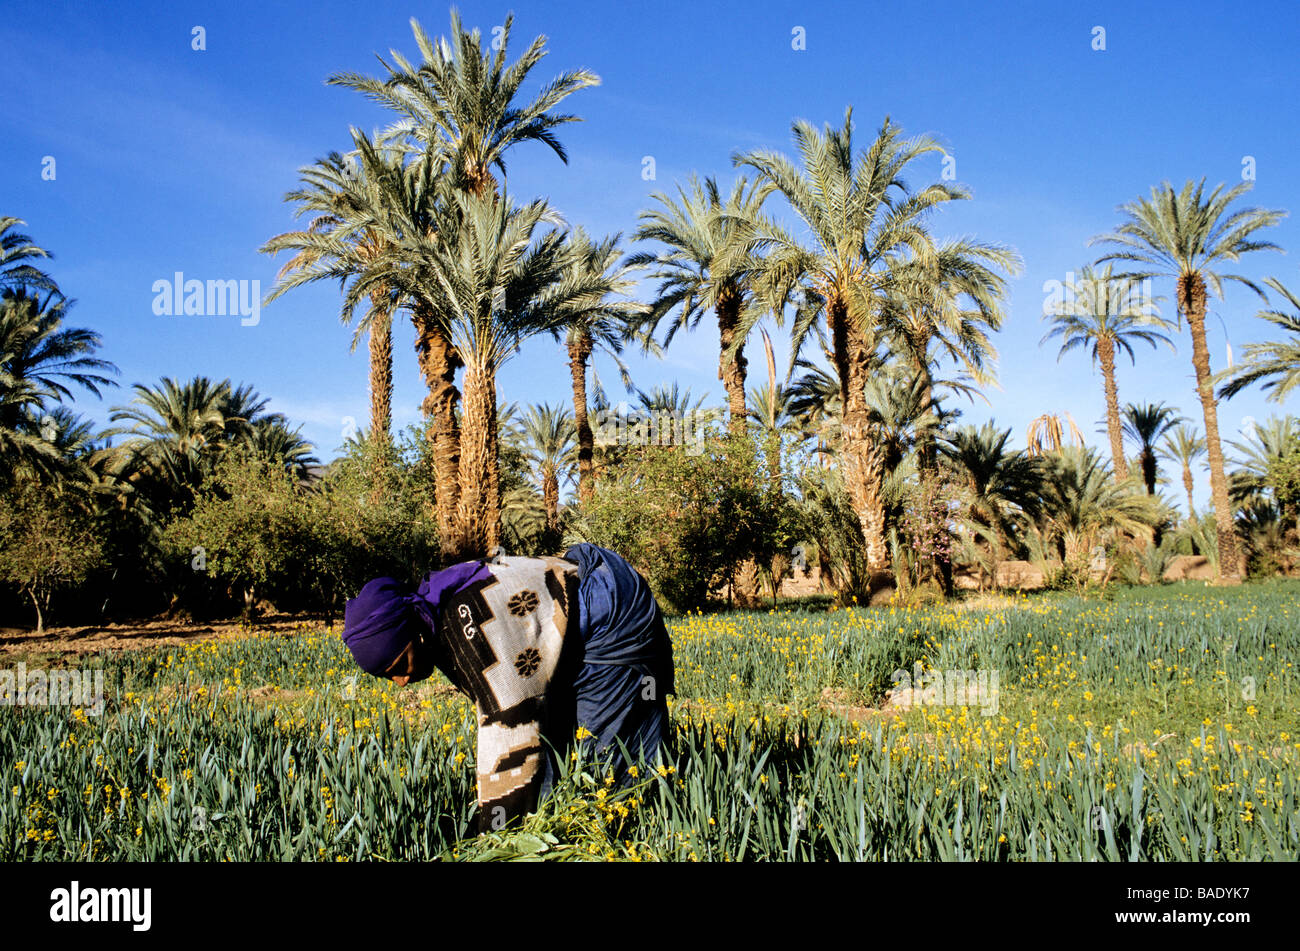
x,y
170,159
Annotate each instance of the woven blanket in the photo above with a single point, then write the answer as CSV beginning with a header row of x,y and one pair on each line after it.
x,y
504,636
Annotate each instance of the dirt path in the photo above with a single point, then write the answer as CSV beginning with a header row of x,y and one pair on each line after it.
x,y
134,635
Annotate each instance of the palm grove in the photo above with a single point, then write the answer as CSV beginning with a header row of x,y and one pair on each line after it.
x,y
200,501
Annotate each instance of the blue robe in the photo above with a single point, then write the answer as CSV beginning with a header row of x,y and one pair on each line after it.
x,y
627,662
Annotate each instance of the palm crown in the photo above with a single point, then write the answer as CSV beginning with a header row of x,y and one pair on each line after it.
x,y
464,96
1276,363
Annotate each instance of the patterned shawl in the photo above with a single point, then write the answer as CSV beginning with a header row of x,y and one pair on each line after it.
x,y
500,636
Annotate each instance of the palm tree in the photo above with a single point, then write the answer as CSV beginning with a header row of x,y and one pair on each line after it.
x,y
35,345
346,233
493,276
1003,485
22,438
1146,425
463,98
860,215
1084,505
179,431
457,109
1267,472
272,439
699,269
1187,235
39,357
548,434
1184,446
1275,362
523,515
604,321
1106,314
946,309
903,413
674,400
815,402
770,406
16,253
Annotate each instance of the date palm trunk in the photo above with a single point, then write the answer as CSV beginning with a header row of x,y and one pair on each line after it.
x,y
731,371
579,352
381,368
927,462
551,500
1149,470
439,362
1106,356
925,446
1188,484
1191,301
862,459
478,513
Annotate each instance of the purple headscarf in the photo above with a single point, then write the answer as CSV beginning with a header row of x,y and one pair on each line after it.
x,y
387,615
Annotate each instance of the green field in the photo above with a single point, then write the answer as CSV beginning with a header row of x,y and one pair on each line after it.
x,y
1149,724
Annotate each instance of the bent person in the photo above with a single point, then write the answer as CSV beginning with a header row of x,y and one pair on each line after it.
x,y
543,646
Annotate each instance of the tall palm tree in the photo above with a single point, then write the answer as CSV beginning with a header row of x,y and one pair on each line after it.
x,y
343,194
1184,447
861,216
1106,314
1187,235
372,239
699,269
464,98
549,447
494,275
1146,425
460,111
606,321
1277,363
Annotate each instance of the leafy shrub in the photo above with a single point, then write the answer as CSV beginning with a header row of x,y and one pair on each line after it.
x,y
686,519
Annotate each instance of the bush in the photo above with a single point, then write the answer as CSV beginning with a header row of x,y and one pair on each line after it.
x,y
48,541
258,531
687,517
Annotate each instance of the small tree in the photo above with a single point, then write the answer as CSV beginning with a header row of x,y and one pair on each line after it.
x,y
247,528
48,541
